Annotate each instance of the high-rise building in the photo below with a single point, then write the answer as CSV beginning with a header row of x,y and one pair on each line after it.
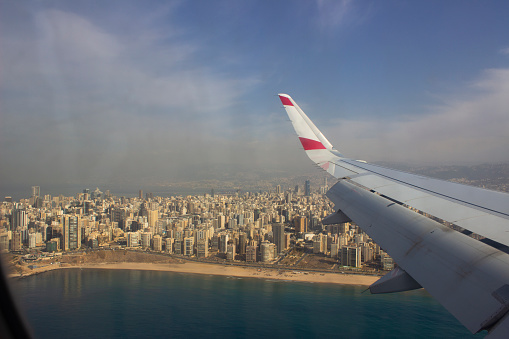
x,y
334,250
288,239
307,188
52,245
221,221
387,262
278,189
157,243
31,240
351,256
36,191
344,228
24,236
256,214
16,244
202,248
146,238
153,217
19,219
201,234
179,234
4,241
240,219
37,202
177,246
223,242
278,231
119,215
189,246
214,242
93,243
140,194
71,232
251,253
232,223
242,243
267,251
313,222
368,253
300,224
168,245
317,244
230,251
133,239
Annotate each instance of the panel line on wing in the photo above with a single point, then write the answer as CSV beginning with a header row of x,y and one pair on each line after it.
x,y
429,190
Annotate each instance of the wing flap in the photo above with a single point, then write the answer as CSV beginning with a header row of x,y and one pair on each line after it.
x,y
475,197
389,188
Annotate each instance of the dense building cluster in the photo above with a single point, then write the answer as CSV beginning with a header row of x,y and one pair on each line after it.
x,y
251,227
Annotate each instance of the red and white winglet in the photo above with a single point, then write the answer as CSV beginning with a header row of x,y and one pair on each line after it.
x,y
317,147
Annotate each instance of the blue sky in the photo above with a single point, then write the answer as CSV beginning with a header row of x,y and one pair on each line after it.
x,y
161,91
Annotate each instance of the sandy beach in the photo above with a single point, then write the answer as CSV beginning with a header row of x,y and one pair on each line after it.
x,y
239,271
130,260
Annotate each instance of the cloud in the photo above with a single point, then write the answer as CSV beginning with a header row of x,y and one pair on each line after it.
x,y
467,128
79,57
332,13
83,103
69,36
505,51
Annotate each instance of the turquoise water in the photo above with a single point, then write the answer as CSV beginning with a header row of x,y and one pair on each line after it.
x,y
132,304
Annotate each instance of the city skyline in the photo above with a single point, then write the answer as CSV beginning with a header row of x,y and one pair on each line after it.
x,y
273,228
177,91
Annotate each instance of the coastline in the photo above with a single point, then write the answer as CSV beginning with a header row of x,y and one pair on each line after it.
x,y
223,270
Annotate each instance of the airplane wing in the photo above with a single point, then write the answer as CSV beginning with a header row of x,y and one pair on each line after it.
x,y
426,226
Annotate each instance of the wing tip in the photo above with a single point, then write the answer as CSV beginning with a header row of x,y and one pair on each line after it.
x,y
286,100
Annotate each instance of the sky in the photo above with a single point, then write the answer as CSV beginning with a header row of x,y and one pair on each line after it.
x,y
95,92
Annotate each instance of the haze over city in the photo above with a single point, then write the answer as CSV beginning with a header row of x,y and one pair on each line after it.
x,y
126,91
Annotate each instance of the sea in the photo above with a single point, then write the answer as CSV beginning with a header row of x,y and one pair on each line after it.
x,y
94,303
